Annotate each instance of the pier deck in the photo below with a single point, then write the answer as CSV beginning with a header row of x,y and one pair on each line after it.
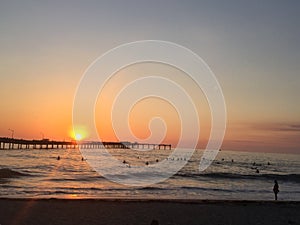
x,y
13,143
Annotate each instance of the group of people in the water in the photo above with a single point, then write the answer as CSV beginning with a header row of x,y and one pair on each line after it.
x,y
275,188
146,163
176,159
255,166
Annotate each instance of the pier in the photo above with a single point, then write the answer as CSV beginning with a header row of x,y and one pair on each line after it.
x,y
13,143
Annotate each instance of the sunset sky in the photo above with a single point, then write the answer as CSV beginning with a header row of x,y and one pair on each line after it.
x,y
251,46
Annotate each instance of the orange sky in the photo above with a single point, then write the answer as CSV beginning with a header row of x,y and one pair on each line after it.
x,y
46,48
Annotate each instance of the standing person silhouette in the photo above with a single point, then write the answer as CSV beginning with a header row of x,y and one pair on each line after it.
x,y
275,189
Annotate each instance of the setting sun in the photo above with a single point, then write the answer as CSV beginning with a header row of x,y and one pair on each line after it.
x,y
78,137
78,133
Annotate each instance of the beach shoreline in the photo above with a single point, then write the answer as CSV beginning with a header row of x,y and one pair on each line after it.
x,y
143,211
158,200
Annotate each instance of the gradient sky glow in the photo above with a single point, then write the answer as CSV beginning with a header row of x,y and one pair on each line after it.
x,y
251,46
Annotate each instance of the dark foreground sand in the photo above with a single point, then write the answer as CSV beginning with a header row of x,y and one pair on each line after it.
x,y
139,212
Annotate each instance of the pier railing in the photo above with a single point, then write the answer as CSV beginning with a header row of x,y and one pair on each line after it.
x,y
13,143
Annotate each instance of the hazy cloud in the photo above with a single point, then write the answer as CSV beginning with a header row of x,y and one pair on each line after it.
x,y
290,127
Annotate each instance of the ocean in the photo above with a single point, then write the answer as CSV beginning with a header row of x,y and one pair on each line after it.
x,y
233,175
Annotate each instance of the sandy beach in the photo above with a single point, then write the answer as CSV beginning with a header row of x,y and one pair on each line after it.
x,y
139,212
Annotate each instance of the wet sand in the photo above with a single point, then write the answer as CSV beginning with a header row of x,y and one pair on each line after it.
x,y
140,212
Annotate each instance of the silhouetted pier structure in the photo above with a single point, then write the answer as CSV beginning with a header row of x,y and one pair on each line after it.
x,y
123,145
13,143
